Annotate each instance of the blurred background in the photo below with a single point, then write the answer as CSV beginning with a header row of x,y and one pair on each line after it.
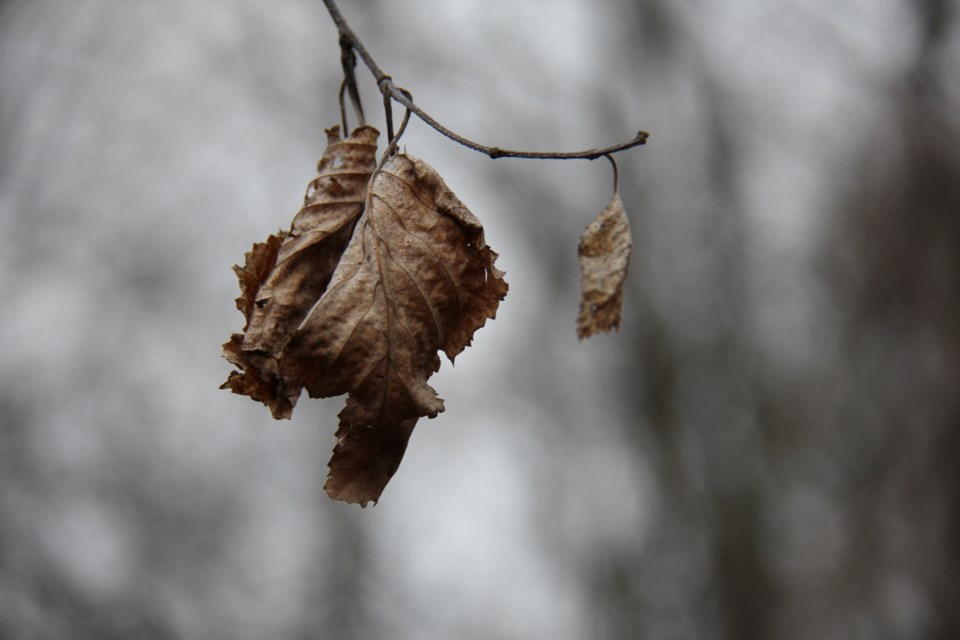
x,y
768,448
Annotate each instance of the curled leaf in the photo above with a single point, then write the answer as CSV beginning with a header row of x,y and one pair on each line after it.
x,y
417,278
283,277
604,258
376,277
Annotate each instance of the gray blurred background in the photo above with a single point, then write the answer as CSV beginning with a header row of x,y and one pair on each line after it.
x,y
768,449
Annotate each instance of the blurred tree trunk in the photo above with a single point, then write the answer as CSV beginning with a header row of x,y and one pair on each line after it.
x,y
895,272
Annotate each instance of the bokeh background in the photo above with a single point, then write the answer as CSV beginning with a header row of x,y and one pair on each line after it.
x,y
768,448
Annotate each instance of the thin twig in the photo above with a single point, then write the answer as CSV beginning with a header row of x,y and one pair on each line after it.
x,y
388,114
616,173
349,62
392,145
343,107
388,88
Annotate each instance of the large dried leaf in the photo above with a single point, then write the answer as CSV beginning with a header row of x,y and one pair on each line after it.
x,y
416,278
604,258
375,277
284,277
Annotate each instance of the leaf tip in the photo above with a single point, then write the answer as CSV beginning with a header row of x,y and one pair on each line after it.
x,y
365,459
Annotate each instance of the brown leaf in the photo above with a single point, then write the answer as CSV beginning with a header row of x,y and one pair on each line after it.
x,y
283,277
416,278
365,459
604,258
375,278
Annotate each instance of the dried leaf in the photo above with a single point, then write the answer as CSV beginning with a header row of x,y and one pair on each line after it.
x,y
375,278
604,258
416,278
282,278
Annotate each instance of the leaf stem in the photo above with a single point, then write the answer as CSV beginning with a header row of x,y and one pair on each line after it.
x,y
616,173
348,61
392,91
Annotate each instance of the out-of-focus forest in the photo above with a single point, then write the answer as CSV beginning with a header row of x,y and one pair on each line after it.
x,y
769,448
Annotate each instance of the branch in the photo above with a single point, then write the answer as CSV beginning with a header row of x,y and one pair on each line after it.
x,y
390,90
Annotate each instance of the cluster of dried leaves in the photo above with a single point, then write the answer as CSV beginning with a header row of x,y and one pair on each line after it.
x,y
382,269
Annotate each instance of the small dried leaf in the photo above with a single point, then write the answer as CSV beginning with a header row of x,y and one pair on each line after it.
x,y
283,277
604,258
